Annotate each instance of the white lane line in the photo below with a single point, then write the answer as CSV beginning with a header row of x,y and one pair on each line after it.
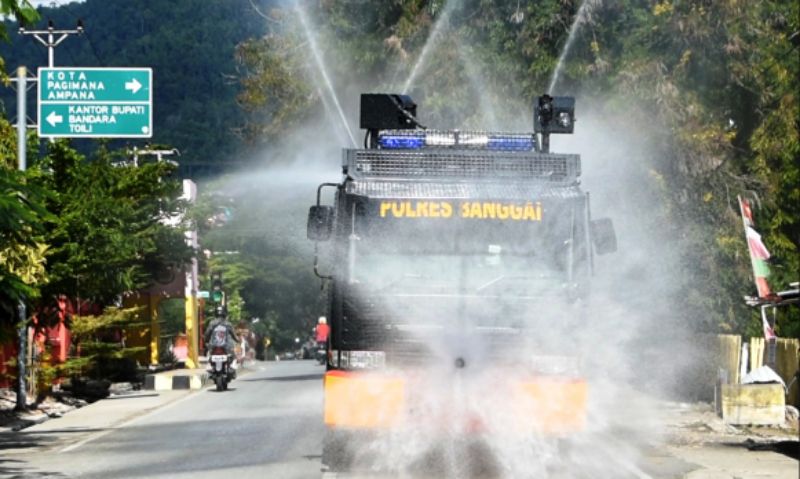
x,y
627,465
100,434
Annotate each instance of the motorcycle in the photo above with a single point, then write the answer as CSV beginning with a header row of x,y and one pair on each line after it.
x,y
221,371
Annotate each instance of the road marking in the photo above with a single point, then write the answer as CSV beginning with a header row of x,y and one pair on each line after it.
x,y
127,423
629,466
100,434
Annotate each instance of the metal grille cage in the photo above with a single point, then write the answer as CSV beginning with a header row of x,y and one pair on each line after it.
x,y
418,165
460,190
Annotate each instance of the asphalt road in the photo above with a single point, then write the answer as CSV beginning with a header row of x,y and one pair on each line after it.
x,y
269,425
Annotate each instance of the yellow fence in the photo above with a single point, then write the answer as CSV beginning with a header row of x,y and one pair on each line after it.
x,y
787,359
730,350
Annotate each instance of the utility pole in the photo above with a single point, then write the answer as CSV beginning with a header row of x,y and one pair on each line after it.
x,y
22,137
49,40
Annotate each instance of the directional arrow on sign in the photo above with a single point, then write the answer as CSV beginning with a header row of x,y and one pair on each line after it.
x,y
54,119
133,85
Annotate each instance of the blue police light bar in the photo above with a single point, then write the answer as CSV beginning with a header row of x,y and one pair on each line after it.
x,y
418,139
401,142
511,143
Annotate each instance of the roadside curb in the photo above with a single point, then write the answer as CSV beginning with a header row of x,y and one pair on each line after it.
x,y
183,379
176,379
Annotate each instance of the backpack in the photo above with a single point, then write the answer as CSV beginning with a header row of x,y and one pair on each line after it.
x,y
219,336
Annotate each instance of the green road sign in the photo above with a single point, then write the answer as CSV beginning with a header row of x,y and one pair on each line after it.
x,y
95,102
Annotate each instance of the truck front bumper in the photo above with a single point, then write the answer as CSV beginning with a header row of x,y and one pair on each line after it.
x,y
383,400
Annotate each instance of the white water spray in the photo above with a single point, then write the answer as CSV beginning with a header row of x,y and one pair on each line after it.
x,y
441,24
580,18
323,71
479,84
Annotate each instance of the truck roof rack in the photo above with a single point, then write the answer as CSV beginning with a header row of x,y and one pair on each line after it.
x,y
457,190
451,164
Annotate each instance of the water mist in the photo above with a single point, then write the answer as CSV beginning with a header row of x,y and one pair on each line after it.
x,y
439,27
462,423
323,72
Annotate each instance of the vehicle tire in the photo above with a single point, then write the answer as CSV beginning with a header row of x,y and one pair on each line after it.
x,y
220,382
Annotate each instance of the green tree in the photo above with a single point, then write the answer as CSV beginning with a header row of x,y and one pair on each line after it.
x,y
21,211
108,235
22,217
275,93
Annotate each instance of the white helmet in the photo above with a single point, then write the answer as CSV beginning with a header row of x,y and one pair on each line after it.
x,y
322,320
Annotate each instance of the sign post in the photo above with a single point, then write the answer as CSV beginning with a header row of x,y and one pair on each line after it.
x,y
95,102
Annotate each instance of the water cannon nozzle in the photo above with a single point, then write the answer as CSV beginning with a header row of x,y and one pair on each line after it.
x,y
554,114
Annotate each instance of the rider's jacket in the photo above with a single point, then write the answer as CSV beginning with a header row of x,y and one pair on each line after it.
x,y
220,333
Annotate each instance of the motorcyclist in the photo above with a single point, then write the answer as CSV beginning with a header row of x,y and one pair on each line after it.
x,y
220,333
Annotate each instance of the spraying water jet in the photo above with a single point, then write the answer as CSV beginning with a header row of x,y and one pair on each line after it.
x,y
580,17
323,72
478,83
439,27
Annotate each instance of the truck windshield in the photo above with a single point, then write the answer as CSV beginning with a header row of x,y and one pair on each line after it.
x,y
476,248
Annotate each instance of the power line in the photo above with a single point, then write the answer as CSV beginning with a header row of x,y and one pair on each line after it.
x,y
88,37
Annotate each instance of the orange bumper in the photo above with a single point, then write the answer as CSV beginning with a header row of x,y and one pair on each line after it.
x,y
368,400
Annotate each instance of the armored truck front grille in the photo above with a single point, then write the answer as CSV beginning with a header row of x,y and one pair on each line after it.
x,y
415,165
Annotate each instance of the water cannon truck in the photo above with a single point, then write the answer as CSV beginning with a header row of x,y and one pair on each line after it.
x,y
452,252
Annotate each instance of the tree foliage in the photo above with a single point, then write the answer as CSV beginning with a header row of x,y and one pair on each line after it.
x,y
22,217
21,211
109,233
274,85
100,340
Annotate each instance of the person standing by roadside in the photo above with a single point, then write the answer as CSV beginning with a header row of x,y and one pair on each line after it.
x,y
322,331
321,336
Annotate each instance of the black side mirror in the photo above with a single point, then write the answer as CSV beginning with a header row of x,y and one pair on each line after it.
x,y
320,223
603,236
